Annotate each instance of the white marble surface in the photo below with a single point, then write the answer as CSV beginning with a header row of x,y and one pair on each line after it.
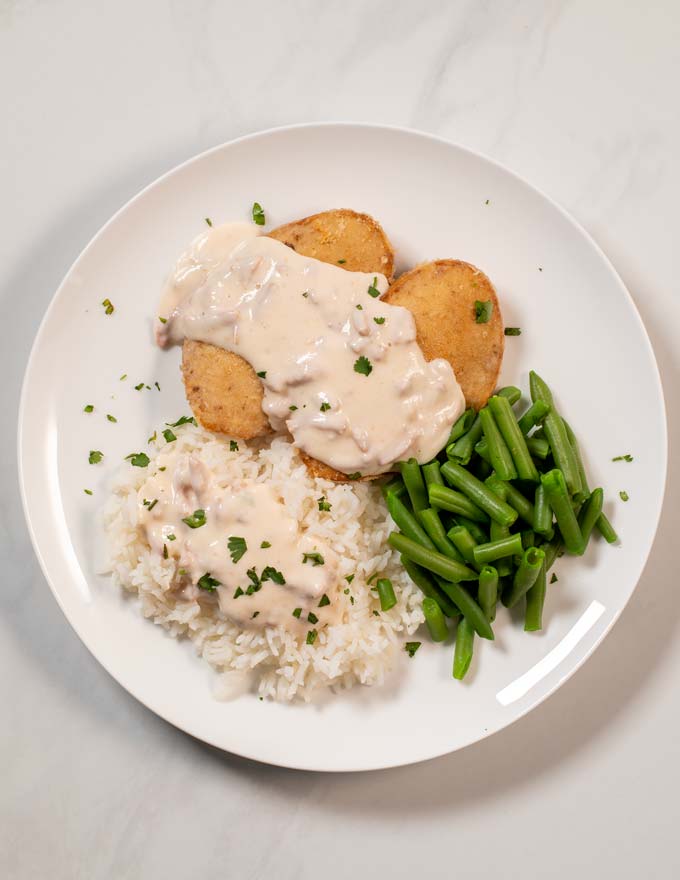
x,y
99,98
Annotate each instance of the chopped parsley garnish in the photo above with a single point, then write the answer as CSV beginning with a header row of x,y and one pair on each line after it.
x,y
297,612
162,468
363,365
150,504
292,408
265,545
486,202
305,293
171,537
87,491
312,618
553,578
258,214
324,505
314,558
237,548
238,592
169,436
208,221
89,408
483,310
373,290
165,551
255,613
162,320
412,647
111,418
262,374
196,520
349,578
95,456
379,320
623,458
182,572
325,406
152,438
269,573
623,495
376,613
139,387
138,459
311,636
373,577
342,262
123,377
108,306
157,385
346,591
513,331
355,476
256,583
233,446
360,307
185,420
323,601
207,583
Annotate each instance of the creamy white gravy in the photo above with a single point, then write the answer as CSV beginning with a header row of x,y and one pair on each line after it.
x,y
246,515
341,370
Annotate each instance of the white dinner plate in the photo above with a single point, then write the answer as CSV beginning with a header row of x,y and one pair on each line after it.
x,y
580,331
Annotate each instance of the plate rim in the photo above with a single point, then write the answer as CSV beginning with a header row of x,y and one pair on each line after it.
x,y
377,127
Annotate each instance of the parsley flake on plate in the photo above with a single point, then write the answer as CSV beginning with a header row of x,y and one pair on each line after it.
x,y
237,548
196,520
323,504
373,290
138,459
483,311
269,573
363,365
258,214
95,456
108,307
412,647
314,558
208,583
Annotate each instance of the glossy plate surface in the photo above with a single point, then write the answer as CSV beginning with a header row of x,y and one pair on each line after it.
x,y
580,330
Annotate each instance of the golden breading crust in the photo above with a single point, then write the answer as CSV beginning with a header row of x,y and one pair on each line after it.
x,y
343,237
441,296
223,390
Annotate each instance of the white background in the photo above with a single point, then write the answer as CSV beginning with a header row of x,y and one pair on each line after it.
x,y
96,100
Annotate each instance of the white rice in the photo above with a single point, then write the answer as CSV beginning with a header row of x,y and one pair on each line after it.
x,y
362,649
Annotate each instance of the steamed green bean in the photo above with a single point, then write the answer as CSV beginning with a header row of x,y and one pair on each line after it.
x,y
435,620
498,452
525,575
462,652
479,493
556,492
432,560
510,431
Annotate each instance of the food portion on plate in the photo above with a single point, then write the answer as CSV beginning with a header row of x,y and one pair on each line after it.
x,y
263,527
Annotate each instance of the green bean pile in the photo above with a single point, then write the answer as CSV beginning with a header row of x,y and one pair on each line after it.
x,y
486,520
